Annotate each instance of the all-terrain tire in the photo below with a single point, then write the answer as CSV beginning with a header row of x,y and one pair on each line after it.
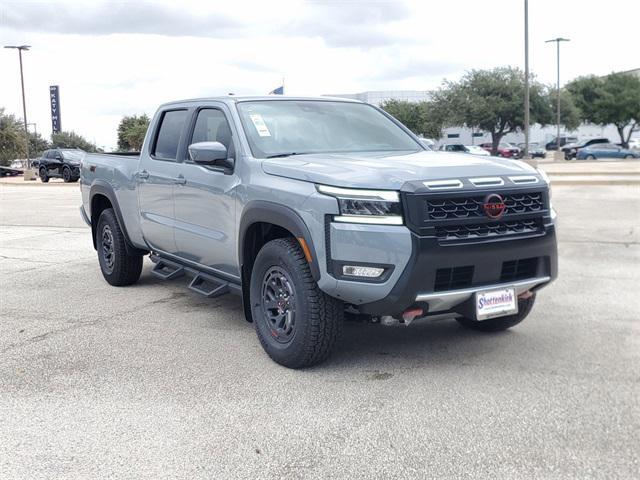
x,y
44,178
501,323
118,267
313,322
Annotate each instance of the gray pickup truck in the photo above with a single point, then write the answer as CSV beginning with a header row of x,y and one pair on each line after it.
x,y
313,209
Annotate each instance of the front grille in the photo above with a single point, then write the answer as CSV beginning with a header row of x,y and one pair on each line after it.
x,y
487,230
470,207
519,269
453,278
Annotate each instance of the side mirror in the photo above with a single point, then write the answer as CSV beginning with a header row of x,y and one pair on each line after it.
x,y
211,154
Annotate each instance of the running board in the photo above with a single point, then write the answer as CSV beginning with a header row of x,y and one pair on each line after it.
x,y
167,270
208,286
205,284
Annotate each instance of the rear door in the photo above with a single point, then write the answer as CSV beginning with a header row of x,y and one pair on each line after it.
x,y
157,177
205,200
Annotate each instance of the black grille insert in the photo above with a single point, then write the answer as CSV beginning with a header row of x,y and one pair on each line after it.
x,y
485,230
519,269
453,278
470,207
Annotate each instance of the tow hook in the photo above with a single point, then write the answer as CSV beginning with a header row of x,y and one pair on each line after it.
x,y
525,295
407,317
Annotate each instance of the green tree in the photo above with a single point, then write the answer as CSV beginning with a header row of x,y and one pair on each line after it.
x,y
419,117
37,145
492,101
611,100
12,144
131,132
72,140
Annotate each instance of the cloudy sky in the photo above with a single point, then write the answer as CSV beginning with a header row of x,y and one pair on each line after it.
x,y
125,57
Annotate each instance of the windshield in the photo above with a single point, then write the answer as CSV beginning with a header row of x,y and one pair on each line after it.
x,y
287,127
72,154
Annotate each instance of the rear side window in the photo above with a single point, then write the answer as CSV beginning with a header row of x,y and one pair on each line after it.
x,y
171,125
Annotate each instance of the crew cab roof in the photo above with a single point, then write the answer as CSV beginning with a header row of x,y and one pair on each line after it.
x,y
249,98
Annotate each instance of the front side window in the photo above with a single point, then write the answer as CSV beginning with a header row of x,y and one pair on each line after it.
x,y
285,127
168,138
212,126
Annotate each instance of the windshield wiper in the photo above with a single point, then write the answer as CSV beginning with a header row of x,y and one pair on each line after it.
x,y
288,154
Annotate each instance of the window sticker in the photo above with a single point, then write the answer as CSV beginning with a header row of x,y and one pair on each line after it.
x,y
261,127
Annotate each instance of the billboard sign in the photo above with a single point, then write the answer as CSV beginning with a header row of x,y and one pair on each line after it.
x,y
56,119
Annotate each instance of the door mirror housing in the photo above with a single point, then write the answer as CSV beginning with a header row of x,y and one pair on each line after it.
x,y
211,154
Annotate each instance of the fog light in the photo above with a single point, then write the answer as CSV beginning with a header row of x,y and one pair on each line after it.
x,y
360,271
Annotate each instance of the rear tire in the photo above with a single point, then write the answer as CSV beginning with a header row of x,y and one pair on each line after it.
x,y
297,324
628,157
44,178
500,323
590,157
118,267
66,175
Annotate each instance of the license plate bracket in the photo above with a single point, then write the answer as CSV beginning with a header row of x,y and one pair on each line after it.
x,y
497,302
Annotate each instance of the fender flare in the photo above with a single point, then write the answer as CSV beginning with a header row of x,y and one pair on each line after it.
x,y
100,187
259,211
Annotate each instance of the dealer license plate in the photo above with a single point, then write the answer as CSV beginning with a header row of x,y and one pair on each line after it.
x,y
496,303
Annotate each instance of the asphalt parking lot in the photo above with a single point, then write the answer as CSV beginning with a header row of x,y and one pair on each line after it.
x,y
153,381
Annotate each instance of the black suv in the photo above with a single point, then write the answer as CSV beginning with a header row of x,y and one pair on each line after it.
x,y
60,163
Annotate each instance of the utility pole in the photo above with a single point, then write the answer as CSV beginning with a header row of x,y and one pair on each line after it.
x,y
526,80
558,40
20,48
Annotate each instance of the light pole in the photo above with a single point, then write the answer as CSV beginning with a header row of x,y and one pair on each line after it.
x,y
526,80
20,48
558,40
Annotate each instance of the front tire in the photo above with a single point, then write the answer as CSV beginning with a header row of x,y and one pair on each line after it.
x,y
501,323
44,178
590,157
66,175
297,324
118,267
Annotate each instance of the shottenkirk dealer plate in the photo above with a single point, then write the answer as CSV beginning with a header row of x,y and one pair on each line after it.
x,y
496,303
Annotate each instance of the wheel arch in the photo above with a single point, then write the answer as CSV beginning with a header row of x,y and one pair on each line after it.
x,y
101,197
261,222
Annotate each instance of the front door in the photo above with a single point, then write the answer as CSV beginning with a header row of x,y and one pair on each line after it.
x,y
157,176
205,200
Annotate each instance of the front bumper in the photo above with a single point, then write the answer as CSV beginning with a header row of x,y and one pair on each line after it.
x,y
421,281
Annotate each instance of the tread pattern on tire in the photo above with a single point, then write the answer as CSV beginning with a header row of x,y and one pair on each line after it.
x,y
127,268
325,320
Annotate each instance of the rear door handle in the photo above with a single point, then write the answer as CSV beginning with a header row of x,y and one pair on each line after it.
x,y
179,180
143,175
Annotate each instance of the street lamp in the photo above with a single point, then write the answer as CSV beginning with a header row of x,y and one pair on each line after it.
x,y
558,40
20,48
526,80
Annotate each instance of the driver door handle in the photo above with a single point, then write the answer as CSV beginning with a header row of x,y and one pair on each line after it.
x,y
180,180
143,175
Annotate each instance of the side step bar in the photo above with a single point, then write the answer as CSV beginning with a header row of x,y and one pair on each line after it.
x,y
205,284
167,270
208,286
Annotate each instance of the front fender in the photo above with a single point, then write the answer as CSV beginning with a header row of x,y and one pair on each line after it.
x,y
260,211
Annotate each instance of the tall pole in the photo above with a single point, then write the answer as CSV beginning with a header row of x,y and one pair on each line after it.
x,y
20,48
24,111
526,79
558,98
558,40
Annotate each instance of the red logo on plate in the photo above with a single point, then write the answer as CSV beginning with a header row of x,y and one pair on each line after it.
x,y
494,206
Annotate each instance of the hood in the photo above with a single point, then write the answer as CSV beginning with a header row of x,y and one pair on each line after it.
x,y
370,170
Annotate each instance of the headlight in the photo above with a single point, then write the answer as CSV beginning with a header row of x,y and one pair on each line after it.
x,y
365,206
